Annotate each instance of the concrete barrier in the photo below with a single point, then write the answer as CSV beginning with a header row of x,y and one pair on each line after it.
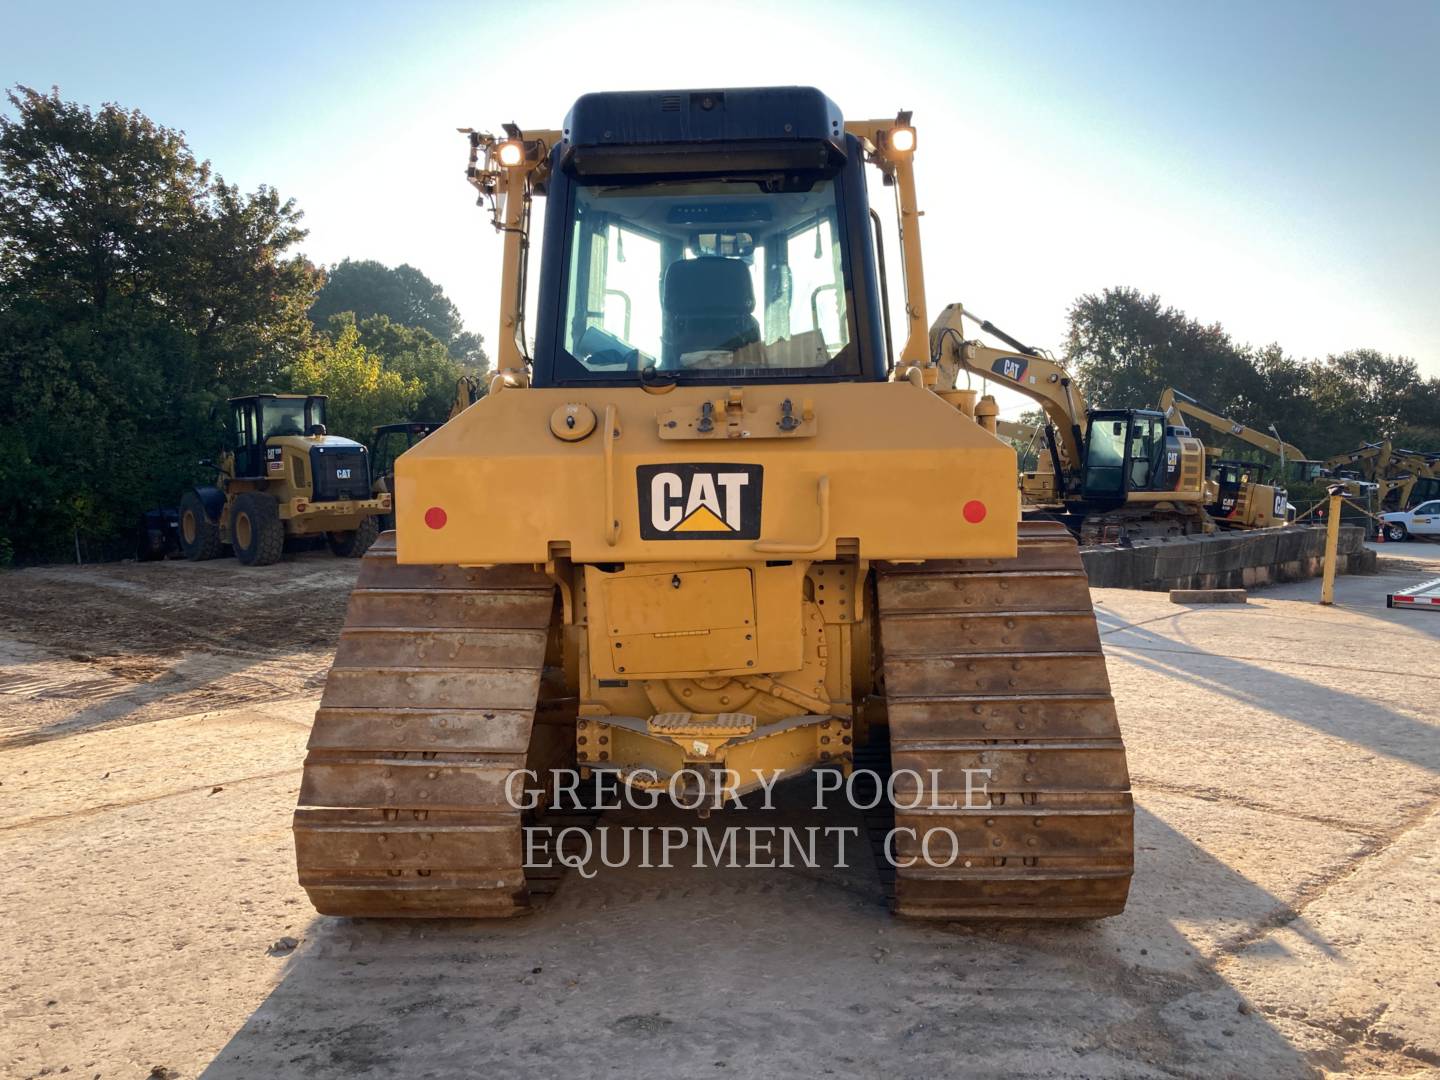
x,y
1228,560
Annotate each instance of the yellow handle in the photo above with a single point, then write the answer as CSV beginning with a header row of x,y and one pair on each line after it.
x,y
822,497
612,523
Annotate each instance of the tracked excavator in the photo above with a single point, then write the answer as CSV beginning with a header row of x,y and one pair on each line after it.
x,y
710,526
1401,478
1107,474
1243,500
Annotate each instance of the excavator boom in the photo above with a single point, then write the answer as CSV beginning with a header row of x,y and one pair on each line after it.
x,y
1020,369
1181,405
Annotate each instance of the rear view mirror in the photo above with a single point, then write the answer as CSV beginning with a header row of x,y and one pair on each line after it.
x,y
730,245
1118,428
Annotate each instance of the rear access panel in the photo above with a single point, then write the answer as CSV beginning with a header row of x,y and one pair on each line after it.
x,y
668,620
660,624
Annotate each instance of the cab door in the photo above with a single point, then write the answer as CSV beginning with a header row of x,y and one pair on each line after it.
x,y
1105,458
248,448
1425,519
1145,455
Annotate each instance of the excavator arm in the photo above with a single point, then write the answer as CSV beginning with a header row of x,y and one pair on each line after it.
x,y
1177,406
1021,369
1394,471
1015,429
467,391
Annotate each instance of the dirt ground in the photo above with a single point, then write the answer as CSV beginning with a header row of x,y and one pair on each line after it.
x,y
1284,919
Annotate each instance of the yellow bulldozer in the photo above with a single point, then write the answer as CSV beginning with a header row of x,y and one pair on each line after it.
x,y
283,476
710,528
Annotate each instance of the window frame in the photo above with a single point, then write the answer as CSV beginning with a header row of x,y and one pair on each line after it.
x,y
565,369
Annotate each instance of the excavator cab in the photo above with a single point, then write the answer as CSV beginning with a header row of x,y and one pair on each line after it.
x,y
1129,450
1230,479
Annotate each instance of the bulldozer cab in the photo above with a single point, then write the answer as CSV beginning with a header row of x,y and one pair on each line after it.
x,y
750,260
258,418
1128,450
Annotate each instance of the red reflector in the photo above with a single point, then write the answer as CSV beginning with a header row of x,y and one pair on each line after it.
x,y
974,511
435,517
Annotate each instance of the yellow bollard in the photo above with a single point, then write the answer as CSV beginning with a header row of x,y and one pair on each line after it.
x,y
1332,545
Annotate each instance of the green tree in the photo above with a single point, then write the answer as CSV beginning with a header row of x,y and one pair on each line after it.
x,y
403,295
1125,348
363,393
1363,395
136,289
415,354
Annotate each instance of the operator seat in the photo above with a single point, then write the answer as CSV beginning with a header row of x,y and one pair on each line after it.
x,y
708,304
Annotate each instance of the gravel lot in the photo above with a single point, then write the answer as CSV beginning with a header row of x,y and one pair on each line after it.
x,y
1284,921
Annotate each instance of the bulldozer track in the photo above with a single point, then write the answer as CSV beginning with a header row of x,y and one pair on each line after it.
x,y
430,706
992,664
439,692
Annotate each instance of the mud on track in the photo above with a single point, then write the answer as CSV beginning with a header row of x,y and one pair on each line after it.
x,y
89,647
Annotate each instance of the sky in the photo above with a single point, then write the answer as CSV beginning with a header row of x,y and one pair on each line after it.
x,y
1273,166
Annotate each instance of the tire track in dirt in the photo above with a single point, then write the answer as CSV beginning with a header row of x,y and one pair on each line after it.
x,y
94,647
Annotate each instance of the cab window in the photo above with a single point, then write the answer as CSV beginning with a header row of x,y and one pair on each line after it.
x,y
284,418
245,431
709,278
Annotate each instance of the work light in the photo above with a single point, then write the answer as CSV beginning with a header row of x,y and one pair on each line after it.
x,y
902,139
511,153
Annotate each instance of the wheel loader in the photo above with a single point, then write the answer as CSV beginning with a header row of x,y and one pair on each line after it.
x,y
711,527
283,476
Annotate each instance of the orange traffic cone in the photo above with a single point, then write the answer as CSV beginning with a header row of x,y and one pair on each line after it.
x,y
1380,536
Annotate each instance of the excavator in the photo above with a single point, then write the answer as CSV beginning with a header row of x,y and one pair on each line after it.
x,y
1242,499
711,527
1402,478
389,441
1107,474
1026,438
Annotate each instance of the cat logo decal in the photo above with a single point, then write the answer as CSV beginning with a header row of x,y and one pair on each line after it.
x,y
699,501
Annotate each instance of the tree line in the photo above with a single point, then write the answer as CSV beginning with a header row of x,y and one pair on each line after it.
x,y
1124,348
139,290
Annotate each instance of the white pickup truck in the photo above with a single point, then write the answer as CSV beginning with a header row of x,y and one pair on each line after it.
x,y
1424,520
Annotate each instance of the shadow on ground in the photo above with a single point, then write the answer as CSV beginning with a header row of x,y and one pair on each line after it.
x,y
768,972
1355,716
